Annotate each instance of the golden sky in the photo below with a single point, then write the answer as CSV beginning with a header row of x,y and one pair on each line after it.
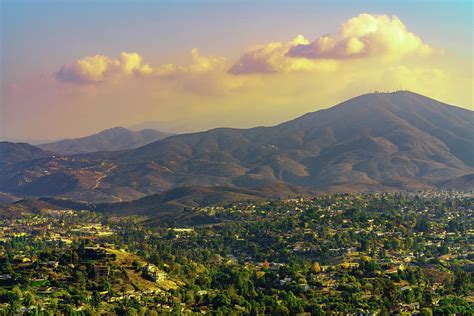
x,y
262,84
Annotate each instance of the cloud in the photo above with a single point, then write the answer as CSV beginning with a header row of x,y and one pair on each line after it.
x,y
199,65
272,58
366,35
87,70
132,63
99,68
363,36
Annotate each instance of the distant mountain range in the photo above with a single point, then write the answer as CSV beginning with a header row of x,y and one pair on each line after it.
x,y
374,142
117,138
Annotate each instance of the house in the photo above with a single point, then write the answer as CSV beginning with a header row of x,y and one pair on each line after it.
x,y
101,271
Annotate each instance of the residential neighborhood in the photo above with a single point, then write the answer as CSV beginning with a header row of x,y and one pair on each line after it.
x,y
375,253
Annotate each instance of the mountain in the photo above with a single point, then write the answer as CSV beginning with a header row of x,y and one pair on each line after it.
x,y
384,140
374,142
117,138
12,153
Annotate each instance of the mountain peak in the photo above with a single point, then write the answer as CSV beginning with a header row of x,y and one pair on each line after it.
x,y
399,101
398,95
115,138
115,129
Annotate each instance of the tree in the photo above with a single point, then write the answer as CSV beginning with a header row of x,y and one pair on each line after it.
x,y
316,267
96,299
364,244
29,299
293,303
220,300
422,225
462,281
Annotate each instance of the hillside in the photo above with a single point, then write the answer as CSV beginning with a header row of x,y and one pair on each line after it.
x,y
12,153
400,140
374,142
186,197
170,206
24,207
465,182
117,138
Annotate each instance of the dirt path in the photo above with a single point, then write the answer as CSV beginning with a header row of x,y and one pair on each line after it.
x,y
102,176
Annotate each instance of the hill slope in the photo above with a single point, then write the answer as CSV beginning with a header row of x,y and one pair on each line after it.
x,y
381,141
172,205
12,153
400,140
117,138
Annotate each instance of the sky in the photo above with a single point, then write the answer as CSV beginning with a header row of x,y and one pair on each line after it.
x,y
70,68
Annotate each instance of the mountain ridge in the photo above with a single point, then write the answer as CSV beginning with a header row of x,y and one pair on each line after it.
x,y
296,133
112,139
167,205
378,141
12,153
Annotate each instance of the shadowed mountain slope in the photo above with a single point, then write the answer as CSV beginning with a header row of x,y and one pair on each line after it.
x,y
12,153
